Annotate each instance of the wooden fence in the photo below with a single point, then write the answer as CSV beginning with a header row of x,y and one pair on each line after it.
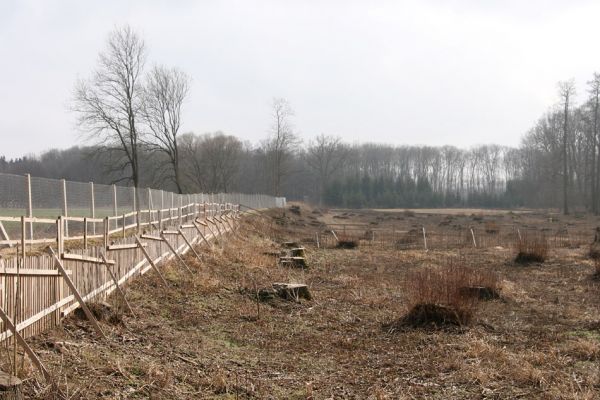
x,y
448,238
84,206
38,290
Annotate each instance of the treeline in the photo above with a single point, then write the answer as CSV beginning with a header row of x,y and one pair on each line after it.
x,y
324,170
133,118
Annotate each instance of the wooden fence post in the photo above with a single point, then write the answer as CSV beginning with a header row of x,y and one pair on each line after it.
x,y
29,205
65,207
105,233
115,206
85,233
92,206
60,235
149,209
425,240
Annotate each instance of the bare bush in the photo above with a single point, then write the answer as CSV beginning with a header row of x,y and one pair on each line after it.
x,y
531,247
439,296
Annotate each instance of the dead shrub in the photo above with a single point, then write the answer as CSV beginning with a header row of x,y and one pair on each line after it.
x,y
492,228
347,244
437,296
531,247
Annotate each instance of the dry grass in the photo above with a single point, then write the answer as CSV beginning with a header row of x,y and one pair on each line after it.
x,y
206,336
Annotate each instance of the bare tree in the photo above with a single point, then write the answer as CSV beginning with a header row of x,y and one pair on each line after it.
x,y
213,160
566,90
109,104
281,143
325,156
164,94
594,102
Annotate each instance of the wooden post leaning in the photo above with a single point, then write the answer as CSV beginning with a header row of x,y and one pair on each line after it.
x,y
116,282
189,244
11,326
211,230
78,296
141,246
162,236
212,221
201,233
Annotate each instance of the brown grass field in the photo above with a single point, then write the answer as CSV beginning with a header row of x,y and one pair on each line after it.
x,y
207,336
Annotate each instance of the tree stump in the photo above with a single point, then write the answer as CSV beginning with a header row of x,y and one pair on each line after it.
x,y
298,252
10,387
292,291
295,262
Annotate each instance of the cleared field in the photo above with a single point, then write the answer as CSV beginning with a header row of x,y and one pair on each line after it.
x,y
210,336
453,211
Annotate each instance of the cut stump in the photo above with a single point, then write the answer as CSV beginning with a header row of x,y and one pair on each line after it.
x,y
295,262
298,252
10,386
292,291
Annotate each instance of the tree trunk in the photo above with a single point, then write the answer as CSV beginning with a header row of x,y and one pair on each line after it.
x,y
565,169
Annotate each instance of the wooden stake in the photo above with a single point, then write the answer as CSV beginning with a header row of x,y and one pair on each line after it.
x,y
189,244
211,231
473,236
4,235
137,240
216,225
202,234
78,296
175,253
424,239
25,346
116,281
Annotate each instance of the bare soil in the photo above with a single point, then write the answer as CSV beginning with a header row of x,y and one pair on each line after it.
x,y
207,336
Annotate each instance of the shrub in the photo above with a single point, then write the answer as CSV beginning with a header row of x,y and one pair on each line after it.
x,y
492,227
531,247
347,244
444,295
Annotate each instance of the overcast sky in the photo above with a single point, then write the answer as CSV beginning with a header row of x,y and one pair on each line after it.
x,y
405,72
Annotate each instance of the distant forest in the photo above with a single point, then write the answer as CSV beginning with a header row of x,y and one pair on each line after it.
x,y
132,119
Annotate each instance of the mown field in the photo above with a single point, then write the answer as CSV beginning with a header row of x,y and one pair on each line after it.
x,y
210,336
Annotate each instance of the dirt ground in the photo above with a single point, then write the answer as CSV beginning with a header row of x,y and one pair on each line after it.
x,y
207,336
